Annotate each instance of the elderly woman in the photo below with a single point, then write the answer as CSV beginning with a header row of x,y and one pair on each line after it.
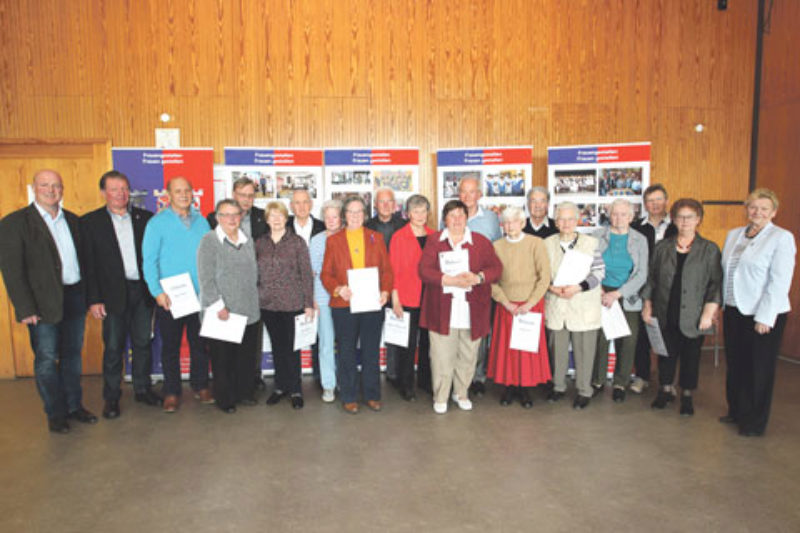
x,y
332,216
572,304
683,294
625,257
520,290
226,269
356,248
405,252
457,268
285,289
758,264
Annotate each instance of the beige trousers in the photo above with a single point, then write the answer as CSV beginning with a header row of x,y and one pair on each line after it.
x,y
453,359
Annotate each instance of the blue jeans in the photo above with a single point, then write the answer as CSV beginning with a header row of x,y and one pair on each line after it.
x,y
327,361
350,328
57,356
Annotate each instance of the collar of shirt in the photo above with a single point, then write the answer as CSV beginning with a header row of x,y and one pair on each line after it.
x,y
242,238
478,214
467,238
115,216
303,231
664,221
545,223
46,215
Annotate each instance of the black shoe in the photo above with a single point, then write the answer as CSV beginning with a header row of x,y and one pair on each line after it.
x,y
149,398
525,398
477,389
83,416
111,409
58,424
597,389
554,396
275,397
727,419
248,402
581,402
687,408
230,409
297,401
507,397
260,385
661,399
618,395
408,395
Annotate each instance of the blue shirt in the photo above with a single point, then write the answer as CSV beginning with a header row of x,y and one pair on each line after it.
x,y
619,263
486,223
316,249
59,229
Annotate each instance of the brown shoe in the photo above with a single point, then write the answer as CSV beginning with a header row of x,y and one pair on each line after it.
x,y
171,403
375,405
204,395
351,407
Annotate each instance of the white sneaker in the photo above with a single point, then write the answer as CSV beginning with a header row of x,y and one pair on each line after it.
x,y
439,408
328,395
638,385
463,403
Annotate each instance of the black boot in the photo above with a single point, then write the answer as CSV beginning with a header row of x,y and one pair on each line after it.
x,y
661,399
525,397
508,396
687,407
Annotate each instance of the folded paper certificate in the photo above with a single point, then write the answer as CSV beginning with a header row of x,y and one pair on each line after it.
x,y
396,330
525,331
656,339
574,268
614,323
452,264
305,331
182,296
365,287
231,330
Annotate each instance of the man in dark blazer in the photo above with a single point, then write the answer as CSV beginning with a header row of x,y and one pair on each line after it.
x,y
39,247
302,222
253,222
116,291
538,223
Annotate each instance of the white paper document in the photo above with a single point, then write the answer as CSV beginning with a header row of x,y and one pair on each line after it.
x,y
305,330
364,284
454,263
656,339
182,296
574,268
396,330
525,331
231,330
614,323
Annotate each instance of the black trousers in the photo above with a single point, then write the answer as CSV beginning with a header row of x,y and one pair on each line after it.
x,y
424,377
171,330
280,325
232,367
750,360
684,349
641,361
405,356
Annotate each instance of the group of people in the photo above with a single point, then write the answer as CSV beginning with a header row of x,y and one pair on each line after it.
x,y
467,291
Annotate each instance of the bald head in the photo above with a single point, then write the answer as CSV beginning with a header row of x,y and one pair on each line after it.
x,y
48,189
301,205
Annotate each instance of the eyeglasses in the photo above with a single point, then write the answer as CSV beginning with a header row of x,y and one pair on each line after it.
x,y
685,217
229,215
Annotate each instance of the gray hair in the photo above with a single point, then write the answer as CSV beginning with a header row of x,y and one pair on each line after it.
x,y
540,189
331,204
620,202
476,179
417,200
512,213
563,206
384,189
229,202
351,199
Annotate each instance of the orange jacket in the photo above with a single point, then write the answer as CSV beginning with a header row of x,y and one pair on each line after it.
x,y
337,262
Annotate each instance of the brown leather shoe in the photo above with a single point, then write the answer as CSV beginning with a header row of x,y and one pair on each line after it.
x,y
375,405
171,403
204,395
351,407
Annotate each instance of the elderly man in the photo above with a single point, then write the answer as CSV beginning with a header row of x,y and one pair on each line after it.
x,y
169,248
253,222
39,257
655,226
303,224
115,290
539,224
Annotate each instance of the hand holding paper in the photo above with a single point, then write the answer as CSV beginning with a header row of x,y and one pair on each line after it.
x,y
181,296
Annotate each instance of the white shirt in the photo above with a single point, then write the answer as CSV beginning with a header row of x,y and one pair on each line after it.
x,y
123,228
304,231
661,228
459,306
59,229
241,239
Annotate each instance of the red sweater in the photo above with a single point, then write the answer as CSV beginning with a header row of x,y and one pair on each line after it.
x,y
435,314
404,254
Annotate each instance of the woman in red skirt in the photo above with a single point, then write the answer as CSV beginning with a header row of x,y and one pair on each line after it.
x,y
520,291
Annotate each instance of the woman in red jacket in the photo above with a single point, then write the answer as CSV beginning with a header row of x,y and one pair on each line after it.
x,y
405,251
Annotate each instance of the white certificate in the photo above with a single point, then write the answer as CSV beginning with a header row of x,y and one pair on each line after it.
x,y
365,289
396,330
656,339
525,331
231,330
182,296
452,264
614,323
574,268
305,331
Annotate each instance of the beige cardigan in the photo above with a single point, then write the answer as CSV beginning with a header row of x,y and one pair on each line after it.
x,y
582,311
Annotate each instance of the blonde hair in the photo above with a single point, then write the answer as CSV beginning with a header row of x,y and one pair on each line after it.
x,y
280,207
765,193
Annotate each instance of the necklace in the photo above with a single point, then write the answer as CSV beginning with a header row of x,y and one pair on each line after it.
x,y
750,233
683,248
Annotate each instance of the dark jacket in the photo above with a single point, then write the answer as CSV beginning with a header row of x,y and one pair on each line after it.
x,y
317,226
386,229
31,264
101,260
258,224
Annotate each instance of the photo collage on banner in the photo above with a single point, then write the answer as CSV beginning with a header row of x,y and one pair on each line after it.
x,y
361,171
149,170
505,174
593,176
276,173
